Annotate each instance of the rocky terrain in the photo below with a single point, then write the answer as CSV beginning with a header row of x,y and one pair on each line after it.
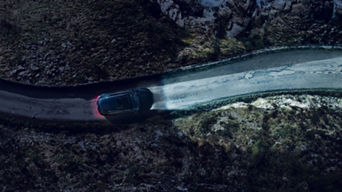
x,y
57,42
53,42
279,143
260,23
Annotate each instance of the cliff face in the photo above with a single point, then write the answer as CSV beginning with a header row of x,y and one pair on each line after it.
x,y
205,15
337,8
233,18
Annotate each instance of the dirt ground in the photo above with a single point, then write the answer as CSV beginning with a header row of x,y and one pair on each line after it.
x,y
280,143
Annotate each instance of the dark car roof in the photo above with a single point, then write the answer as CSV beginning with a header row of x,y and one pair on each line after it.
x,y
135,99
116,93
115,102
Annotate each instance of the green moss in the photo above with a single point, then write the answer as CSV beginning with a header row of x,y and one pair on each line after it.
x,y
206,51
189,39
228,46
205,124
256,148
32,155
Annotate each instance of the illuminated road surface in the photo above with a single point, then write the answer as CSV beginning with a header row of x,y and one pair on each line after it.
x,y
287,70
315,74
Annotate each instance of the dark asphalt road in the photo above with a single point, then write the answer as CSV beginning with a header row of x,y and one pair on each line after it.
x,y
296,69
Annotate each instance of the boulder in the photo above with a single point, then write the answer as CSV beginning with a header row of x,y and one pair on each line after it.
x,y
337,7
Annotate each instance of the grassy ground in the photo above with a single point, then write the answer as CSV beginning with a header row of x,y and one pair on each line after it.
x,y
273,144
61,42
57,42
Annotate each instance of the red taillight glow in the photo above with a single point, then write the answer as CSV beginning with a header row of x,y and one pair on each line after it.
x,y
96,113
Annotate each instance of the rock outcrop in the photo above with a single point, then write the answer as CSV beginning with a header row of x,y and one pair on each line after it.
x,y
209,15
229,18
337,8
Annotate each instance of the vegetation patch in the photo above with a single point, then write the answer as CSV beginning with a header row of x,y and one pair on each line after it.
x,y
291,139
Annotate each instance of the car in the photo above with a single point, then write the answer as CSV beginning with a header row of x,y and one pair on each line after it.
x,y
133,100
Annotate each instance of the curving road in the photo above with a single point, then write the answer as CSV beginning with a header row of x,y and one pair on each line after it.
x,y
294,69
309,75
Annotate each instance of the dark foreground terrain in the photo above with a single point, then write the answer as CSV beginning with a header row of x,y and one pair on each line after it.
x,y
280,143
